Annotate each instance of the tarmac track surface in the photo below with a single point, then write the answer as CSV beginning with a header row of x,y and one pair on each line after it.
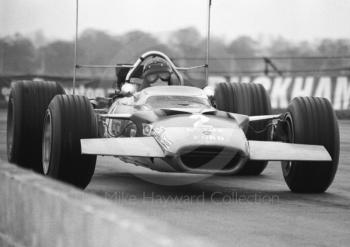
x,y
231,211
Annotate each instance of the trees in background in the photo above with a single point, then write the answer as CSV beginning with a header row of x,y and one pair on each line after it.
x,y
56,58
244,46
187,43
19,55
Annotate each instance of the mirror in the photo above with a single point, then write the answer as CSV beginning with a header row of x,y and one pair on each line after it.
x,y
128,89
209,91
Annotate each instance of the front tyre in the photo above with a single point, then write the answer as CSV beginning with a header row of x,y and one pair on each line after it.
x,y
311,120
69,119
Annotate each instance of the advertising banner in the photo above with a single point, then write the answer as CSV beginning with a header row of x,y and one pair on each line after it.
x,y
280,89
283,89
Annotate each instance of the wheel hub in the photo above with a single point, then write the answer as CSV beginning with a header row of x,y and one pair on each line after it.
x,y
287,165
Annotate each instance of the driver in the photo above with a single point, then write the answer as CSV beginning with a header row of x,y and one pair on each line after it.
x,y
156,72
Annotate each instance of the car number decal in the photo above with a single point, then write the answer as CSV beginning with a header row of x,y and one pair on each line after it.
x,y
201,120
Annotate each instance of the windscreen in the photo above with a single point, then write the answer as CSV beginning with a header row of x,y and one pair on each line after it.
x,y
169,101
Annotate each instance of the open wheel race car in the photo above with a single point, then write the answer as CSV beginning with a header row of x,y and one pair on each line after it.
x,y
172,128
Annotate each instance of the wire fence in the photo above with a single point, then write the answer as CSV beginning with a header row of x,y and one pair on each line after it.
x,y
273,65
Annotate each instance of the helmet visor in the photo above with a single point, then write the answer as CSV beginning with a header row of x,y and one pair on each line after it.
x,y
152,77
164,76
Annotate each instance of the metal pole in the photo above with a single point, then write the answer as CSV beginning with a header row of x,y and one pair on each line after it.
x,y
2,58
208,43
76,44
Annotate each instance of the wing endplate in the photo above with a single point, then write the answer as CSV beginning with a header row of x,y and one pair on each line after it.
x,y
136,146
281,151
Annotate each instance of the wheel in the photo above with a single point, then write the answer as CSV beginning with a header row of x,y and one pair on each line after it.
x,y
311,120
68,119
28,102
248,99
233,97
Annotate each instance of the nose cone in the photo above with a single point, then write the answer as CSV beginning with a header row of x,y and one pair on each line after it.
x,y
196,130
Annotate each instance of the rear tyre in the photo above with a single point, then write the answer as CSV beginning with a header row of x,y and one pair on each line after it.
x,y
311,120
68,119
28,102
248,99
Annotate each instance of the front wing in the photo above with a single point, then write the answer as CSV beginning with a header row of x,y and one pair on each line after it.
x,y
137,146
149,147
281,151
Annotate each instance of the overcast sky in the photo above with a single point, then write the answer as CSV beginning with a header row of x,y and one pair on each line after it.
x,y
294,19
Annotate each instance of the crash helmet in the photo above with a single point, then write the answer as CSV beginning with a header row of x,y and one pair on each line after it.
x,y
156,68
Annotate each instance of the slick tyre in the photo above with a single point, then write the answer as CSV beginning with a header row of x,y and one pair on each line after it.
x,y
68,119
248,99
28,102
311,120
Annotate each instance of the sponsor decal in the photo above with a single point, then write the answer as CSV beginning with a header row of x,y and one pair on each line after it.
x,y
207,132
159,134
209,138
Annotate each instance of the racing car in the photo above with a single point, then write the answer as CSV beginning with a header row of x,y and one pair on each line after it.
x,y
225,131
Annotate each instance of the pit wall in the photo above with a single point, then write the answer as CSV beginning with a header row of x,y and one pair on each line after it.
x,y
39,212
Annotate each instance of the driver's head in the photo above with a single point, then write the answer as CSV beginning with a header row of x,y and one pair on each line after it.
x,y
156,72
